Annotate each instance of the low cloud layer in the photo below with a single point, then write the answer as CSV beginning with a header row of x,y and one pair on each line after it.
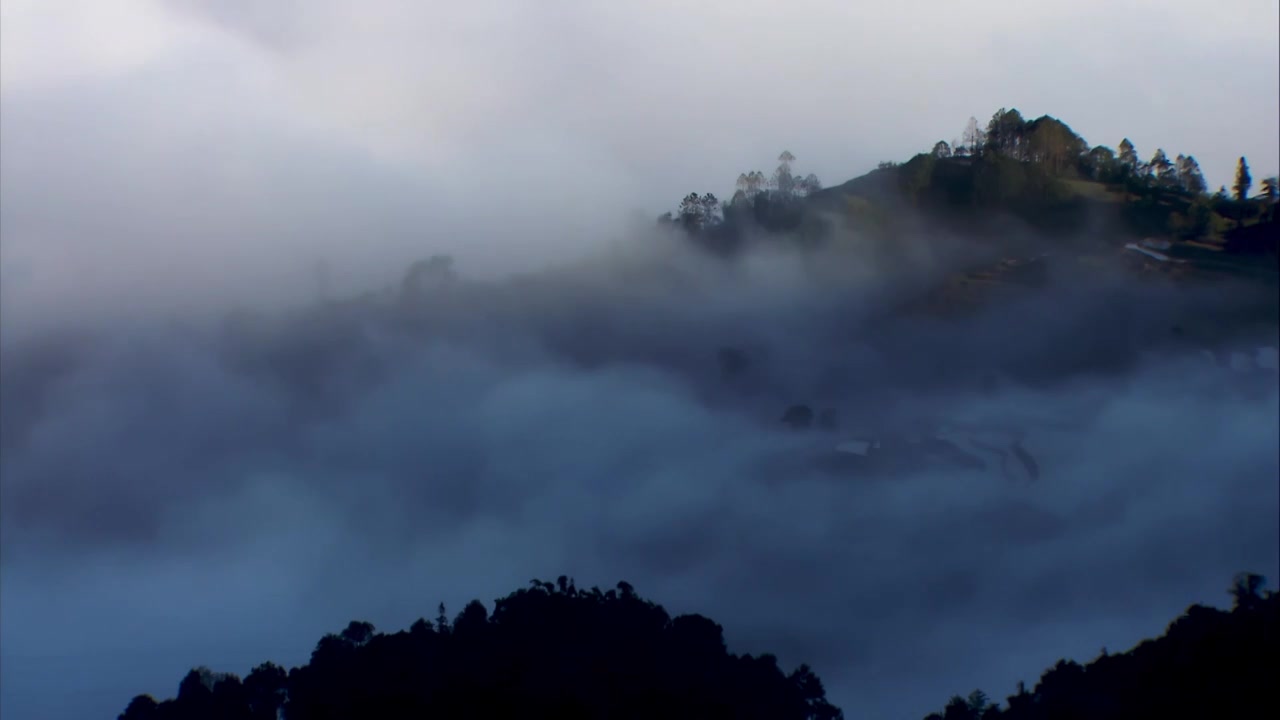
x,y
225,493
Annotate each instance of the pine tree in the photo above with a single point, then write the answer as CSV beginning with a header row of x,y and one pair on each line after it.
x,y
1161,168
1243,181
1128,157
1189,175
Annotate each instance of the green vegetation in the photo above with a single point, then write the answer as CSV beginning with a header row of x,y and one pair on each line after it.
x,y
1039,171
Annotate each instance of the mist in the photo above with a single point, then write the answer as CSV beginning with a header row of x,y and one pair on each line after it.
x,y
223,493
232,419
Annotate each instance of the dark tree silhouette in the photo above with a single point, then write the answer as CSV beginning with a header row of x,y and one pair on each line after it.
x,y
1209,663
548,651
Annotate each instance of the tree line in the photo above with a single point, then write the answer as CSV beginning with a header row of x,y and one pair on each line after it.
x,y
553,650
771,202
550,650
1208,663
1010,164
1052,143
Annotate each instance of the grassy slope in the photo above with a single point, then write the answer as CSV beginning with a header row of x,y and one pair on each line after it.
x,y
1092,220
1071,207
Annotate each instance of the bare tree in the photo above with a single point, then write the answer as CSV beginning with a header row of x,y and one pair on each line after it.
x,y
974,137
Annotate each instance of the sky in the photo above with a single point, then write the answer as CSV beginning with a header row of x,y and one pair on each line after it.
x,y
195,136
178,491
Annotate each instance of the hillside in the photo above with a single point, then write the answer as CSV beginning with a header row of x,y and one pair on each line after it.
x,y
1209,663
1038,174
552,650
547,651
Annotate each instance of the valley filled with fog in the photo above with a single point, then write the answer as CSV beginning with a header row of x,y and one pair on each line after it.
x,y
218,491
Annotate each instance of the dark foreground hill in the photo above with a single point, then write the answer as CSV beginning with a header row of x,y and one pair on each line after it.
x,y
1209,663
549,651
555,651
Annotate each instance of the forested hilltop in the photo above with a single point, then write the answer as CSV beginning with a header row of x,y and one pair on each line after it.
x,y
553,651
546,651
1209,663
1039,171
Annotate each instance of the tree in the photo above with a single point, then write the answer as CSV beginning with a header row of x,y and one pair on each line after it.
x,y
549,650
711,211
1006,133
750,184
196,688
1101,163
473,618
978,702
974,138
699,212
1270,196
1270,189
808,185
957,709
941,149
142,707
1243,181
1128,158
1175,174
1162,169
1209,663
1189,175
783,181
266,688
1246,589
1053,143
358,633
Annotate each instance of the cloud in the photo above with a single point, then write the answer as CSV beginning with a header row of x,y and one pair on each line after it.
x,y
177,129
225,495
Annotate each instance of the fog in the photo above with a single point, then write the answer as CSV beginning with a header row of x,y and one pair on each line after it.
x,y
220,147
209,457
225,493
